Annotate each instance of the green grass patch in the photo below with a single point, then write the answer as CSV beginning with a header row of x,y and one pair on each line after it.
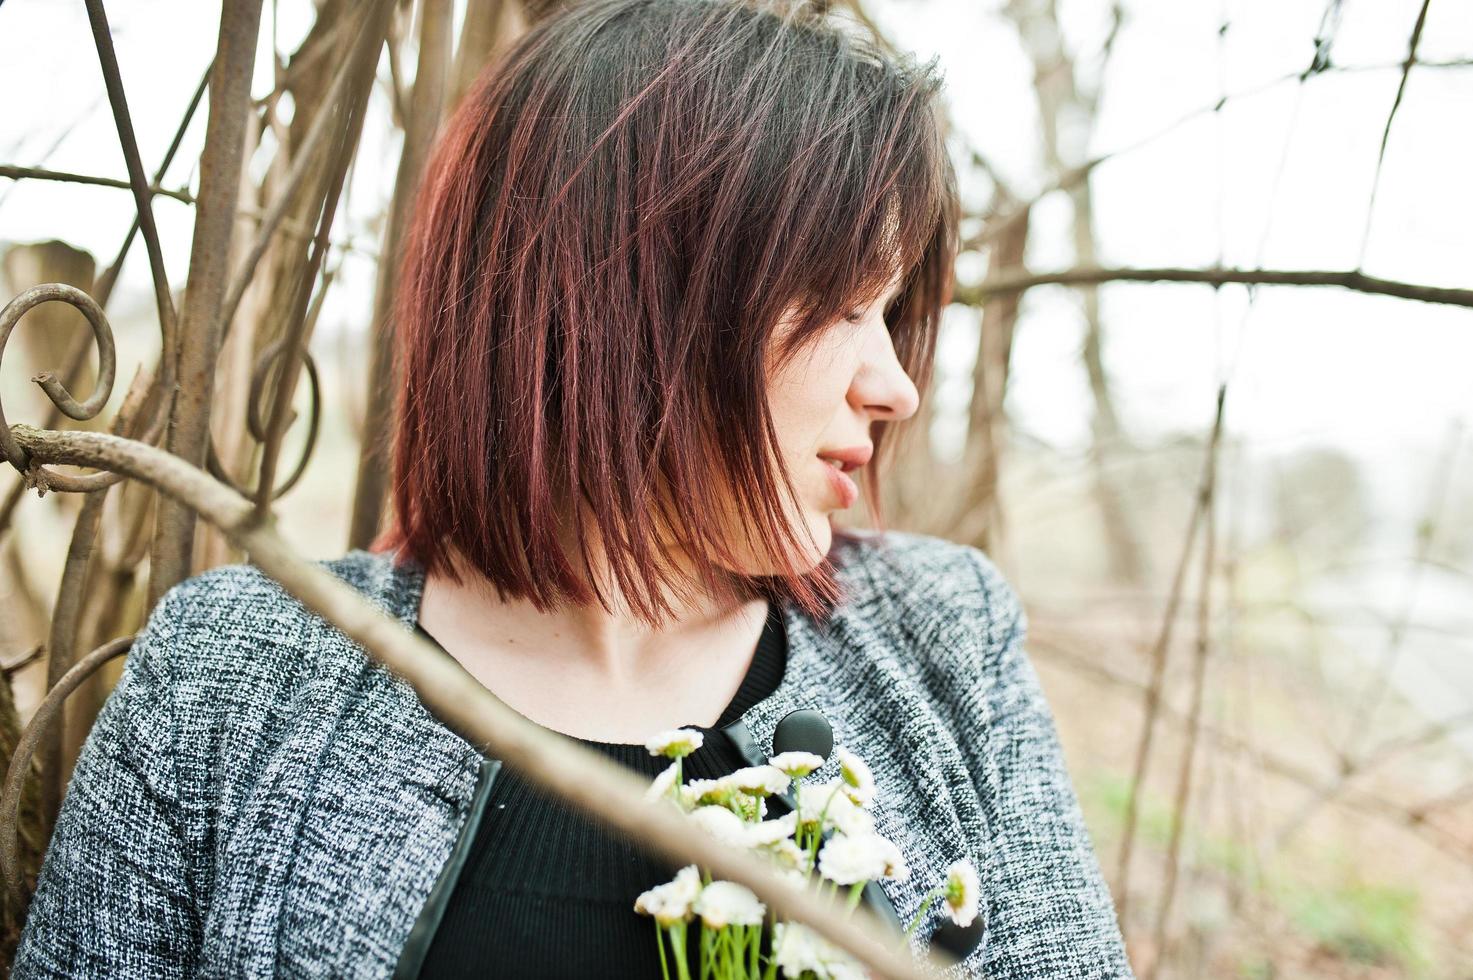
x,y
1321,895
1361,921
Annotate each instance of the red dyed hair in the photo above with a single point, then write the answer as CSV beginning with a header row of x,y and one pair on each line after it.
x,y
608,231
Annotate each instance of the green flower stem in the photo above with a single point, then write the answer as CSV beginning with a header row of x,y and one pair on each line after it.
x,y
824,813
856,891
754,943
817,838
677,947
660,942
705,952
934,894
726,949
771,953
771,971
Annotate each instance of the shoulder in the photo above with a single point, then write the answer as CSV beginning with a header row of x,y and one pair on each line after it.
x,y
941,614
930,585
241,597
236,622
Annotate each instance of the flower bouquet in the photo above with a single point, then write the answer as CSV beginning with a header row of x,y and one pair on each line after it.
x,y
827,841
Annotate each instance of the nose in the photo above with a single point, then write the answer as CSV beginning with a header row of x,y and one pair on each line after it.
x,y
881,387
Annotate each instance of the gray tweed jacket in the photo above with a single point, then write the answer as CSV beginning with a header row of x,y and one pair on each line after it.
x,y
259,797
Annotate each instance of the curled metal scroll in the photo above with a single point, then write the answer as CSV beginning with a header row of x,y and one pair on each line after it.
x,y
45,479
107,361
257,427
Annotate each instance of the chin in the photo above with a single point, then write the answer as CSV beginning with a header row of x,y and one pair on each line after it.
x,y
821,529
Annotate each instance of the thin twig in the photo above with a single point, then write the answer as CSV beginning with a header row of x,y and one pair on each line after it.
x,y
328,120
39,173
142,191
1406,71
1207,503
1153,703
998,224
1371,694
364,59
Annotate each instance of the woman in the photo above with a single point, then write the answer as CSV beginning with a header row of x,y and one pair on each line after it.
x,y
675,270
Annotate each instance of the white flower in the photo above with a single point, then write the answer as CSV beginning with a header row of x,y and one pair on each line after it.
x,y
796,949
796,764
675,743
725,903
813,803
748,807
758,780
726,792
662,784
769,832
686,884
652,903
962,892
696,792
787,855
722,824
838,811
847,818
857,778
799,950
895,864
672,902
849,860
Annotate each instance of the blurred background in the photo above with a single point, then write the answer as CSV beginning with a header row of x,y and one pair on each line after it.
x,y
1204,396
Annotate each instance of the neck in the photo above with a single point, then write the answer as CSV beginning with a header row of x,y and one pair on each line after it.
x,y
613,642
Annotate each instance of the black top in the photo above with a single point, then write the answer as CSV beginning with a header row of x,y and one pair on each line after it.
x,y
547,892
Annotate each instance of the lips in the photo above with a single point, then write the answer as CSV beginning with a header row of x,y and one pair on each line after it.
x,y
850,458
838,463
845,490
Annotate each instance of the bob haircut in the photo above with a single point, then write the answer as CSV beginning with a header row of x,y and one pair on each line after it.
x,y
607,233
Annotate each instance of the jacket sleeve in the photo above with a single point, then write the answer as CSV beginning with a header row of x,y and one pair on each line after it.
x,y
1049,911
113,898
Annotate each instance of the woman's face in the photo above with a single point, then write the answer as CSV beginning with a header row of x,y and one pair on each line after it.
x,y
823,401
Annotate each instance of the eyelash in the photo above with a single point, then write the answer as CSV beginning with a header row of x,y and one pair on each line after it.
x,y
854,316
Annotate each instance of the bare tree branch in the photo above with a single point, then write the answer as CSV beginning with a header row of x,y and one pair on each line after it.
x,y
1353,280
595,784
37,173
188,411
